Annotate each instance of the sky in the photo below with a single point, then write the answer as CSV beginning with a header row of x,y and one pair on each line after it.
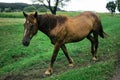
x,y
76,5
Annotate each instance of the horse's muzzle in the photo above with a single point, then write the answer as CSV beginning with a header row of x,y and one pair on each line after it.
x,y
26,41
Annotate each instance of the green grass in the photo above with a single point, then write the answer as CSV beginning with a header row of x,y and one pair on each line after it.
x,y
99,71
20,14
15,58
11,15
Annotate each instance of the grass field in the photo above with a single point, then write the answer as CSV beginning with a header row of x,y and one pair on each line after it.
x,y
29,63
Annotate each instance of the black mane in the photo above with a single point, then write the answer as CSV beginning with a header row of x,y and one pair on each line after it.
x,y
49,21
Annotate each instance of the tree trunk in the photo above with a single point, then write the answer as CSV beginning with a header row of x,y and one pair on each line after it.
x,y
53,9
54,12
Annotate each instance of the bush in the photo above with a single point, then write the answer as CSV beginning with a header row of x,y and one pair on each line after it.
x,y
7,10
29,9
42,9
0,9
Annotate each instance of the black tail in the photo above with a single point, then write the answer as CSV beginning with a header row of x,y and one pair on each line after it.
x,y
101,32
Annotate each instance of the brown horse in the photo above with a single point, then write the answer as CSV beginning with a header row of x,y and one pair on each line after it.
x,y
63,29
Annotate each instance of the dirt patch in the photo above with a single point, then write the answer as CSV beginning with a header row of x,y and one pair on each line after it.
x,y
17,57
12,76
116,76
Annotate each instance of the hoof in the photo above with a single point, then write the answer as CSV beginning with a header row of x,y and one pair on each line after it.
x,y
94,59
71,60
71,65
48,72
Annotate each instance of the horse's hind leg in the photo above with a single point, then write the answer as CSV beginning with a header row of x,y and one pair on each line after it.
x,y
63,47
94,45
89,37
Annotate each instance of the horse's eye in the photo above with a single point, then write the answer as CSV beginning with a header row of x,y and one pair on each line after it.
x,y
31,27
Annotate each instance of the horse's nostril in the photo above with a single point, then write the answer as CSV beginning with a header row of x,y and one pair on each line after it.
x,y
25,43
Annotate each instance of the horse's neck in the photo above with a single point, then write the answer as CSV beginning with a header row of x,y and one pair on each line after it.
x,y
46,23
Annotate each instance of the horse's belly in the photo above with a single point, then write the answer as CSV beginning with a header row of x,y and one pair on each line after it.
x,y
77,33
74,38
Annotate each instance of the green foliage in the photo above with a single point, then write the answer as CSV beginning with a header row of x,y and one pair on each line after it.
x,y
0,9
118,5
111,6
13,6
29,9
7,10
42,9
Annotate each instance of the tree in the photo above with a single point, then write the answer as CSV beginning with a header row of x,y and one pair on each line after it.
x,y
0,9
111,6
42,9
52,5
7,10
118,5
29,9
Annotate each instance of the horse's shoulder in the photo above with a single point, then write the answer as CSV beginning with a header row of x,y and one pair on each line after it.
x,y
61,19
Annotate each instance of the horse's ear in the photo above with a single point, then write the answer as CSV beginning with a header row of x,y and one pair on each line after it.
x,y
36,14
25,14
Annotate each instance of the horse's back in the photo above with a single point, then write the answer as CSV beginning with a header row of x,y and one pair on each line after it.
x,y
92,17
88,20
80,26
82,23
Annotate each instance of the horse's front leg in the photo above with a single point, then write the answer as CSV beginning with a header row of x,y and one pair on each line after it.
x,y
55,52
70,60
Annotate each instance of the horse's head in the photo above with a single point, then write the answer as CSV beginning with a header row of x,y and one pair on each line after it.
x,y
30,27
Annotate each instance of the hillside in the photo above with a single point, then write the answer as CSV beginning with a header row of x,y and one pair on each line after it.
x,y
18,6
